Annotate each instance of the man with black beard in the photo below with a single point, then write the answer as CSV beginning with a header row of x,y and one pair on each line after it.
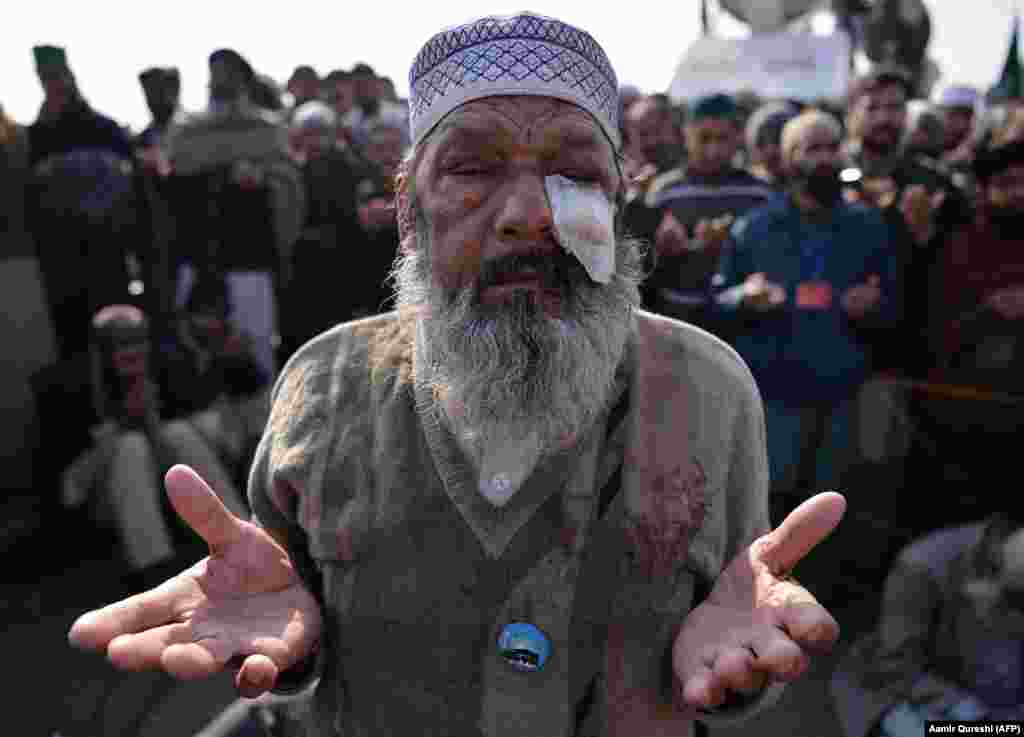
x,y
509,507
806,280
916,196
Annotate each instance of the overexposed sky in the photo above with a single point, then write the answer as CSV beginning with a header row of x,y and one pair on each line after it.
x,y
109,41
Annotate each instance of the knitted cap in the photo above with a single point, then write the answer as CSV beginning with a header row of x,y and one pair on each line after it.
x,y
714,106
50,61
314,115
522,54
771,116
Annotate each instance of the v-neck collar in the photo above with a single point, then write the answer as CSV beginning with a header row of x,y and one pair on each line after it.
x,y
495,527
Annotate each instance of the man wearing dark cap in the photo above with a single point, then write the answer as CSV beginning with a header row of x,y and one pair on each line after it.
x,y
81,205
162,88
241,198
763,134
429,521
687,211
66,121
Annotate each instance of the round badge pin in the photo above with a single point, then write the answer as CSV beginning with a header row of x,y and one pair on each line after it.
x,y
524,647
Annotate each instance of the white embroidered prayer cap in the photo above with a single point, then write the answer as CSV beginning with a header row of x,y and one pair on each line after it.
x,y
521,54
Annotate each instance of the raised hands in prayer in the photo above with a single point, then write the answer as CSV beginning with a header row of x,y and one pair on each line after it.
x,y
242,607
758,625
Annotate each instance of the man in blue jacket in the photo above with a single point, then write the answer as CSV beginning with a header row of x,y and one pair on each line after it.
x,y
805,289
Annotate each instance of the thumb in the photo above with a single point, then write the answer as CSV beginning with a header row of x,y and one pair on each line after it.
x,y
806,526
201,509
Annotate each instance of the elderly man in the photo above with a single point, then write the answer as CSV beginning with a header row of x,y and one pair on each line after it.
x,y
806,280
490,513
239,198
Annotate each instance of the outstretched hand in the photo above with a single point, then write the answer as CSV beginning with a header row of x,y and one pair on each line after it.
x,y
758,625
244,603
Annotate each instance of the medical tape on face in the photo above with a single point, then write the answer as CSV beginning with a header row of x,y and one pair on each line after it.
x,y
583,224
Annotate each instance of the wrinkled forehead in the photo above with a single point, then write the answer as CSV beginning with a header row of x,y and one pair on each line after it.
x,y
521,120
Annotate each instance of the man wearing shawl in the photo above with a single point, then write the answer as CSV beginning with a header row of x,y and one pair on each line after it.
x,y
242,196
518,505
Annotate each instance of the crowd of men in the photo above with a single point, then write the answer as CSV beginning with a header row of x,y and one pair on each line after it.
x,y
183,264
860,257
865,259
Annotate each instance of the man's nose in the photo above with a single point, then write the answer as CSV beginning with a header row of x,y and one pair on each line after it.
x,y
526,213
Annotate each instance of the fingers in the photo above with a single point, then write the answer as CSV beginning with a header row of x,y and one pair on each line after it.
x,y
778,656
755,282
804,527
200,659
96,629
721,671
201,508
810,626
257,675
144,651
669,223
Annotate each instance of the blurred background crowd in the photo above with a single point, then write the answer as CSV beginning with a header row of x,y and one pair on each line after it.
x,y
863,253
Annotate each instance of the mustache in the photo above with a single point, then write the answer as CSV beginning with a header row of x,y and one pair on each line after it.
x,y
554,269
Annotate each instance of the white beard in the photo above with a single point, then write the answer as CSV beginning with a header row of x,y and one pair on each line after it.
x,y
513,384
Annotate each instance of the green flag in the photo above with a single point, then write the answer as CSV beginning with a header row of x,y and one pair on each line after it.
x,y
1011,80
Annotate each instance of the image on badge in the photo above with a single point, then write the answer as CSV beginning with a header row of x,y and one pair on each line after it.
x,y
524,647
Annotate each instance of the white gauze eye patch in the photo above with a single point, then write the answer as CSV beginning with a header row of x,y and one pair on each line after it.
x,y
583,224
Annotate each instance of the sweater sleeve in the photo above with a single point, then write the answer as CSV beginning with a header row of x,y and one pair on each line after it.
x,y
748,519
280,468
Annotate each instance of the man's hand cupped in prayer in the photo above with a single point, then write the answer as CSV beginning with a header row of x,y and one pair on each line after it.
x,y
758,625
243,604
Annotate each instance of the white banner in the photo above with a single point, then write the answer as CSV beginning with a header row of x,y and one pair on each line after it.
x,y
800,66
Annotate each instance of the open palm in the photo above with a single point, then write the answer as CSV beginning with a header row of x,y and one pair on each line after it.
x,y
243,604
